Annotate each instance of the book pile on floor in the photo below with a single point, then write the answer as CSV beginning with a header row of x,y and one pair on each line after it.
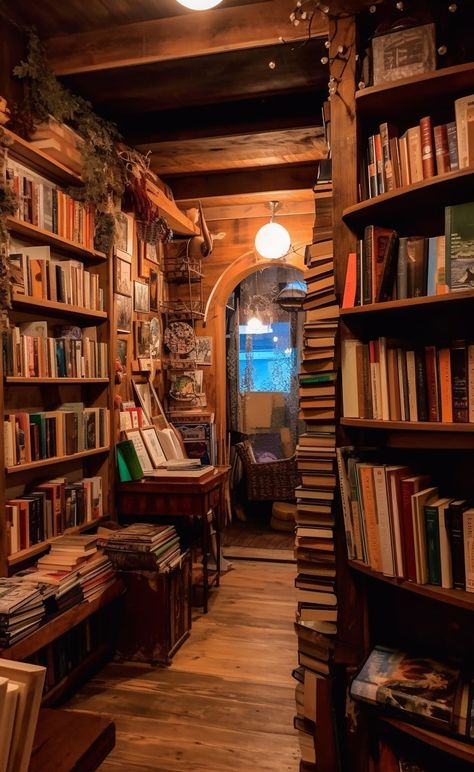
x,y
316,457
21,611
141,546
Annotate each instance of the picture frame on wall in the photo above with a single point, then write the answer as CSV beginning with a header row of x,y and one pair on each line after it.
x,y
203,350
153,279
123,313
122,276
124,236
403,53
121,351
142,339
141,296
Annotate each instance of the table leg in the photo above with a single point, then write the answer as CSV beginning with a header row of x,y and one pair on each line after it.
x,y
205,556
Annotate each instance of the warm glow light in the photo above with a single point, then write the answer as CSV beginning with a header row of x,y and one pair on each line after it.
x,y
272,241
199,5
254,326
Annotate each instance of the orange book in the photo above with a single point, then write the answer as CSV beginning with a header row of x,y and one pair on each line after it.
x,y
445,387
366,477
348,300
36,278
427,148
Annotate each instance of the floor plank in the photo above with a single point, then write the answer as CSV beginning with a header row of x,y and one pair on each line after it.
x,y
226,704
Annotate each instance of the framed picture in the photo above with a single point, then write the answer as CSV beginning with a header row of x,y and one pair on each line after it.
x,y
153,278
403,53
124,236
141,296
155,337
204,350
152,444
142,453
122,276
142,339
121,351
123,313
143,392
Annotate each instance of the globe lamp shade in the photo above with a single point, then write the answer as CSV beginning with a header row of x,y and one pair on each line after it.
x,y
272,241
199,5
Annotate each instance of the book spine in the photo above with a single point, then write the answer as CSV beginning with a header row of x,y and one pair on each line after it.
x,y
440,134
454,523
420,375
386,159
372,168
414,154
470,381
468,534
459,382
445,387
431,383
453,146
379,164
444,548
402,270
366,479
427,148
407,530
367,259
383,379
432,544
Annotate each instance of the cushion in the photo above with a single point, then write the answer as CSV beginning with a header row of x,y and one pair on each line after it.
x,y
283,510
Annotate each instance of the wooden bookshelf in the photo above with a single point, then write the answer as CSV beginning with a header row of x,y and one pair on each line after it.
x,y
390,101
427,199
32,232
442,742
23,381
39,161
428,302
37,549
453,597
409,426
53,308
55,460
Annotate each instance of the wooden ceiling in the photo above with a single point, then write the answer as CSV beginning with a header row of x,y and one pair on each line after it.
x,y
196,89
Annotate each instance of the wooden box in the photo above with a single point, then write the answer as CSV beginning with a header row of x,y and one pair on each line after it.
x,y
157,614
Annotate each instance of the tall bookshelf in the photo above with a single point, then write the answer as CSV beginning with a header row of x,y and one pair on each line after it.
x,y
379,609
87,625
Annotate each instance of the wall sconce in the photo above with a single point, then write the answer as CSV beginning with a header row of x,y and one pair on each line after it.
x,y
199,5
273,240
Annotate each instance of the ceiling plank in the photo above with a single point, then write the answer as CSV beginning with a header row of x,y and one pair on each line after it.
x,y
260,179
194,34
236,152
286,197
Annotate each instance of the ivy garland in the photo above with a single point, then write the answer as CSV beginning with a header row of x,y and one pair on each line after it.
x,y
8,206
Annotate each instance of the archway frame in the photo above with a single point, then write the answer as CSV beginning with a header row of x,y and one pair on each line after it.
x,y
214,321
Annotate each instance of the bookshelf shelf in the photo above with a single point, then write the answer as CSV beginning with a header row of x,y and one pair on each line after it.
x,y
417,207
27,303
442,742
399,306
37,549
27,381
61,624
458,598
391,100
39,161
30,231
411,426
55,460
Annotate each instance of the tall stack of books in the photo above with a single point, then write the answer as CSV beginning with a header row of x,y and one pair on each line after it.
x,y
141,546
21,610
316,457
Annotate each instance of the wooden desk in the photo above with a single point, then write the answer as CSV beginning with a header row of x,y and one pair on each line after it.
x,y
71,741
180,497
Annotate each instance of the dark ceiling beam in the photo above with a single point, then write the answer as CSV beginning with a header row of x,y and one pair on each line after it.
x,y
250,180
194,34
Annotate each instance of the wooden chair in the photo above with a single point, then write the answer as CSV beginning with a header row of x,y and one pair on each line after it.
x,y
270,480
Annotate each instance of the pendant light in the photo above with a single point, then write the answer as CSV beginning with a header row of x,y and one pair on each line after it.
x,y
273,240
199,5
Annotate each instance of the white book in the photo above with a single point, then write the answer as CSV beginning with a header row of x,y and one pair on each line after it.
x,y
444,546
464,113
383,379
7,721
383,514
401,383
468,534
349,378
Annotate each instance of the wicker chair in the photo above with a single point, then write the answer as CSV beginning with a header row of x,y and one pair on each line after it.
x,y
268,481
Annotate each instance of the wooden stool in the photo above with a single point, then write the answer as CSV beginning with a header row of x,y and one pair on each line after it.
x,y
283,516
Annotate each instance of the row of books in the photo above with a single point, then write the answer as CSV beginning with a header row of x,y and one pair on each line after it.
x,y
70,429
142,546
49,508
29,352
397,523
316,614
418,688
384,382
48,207
35,274
388,267
423,151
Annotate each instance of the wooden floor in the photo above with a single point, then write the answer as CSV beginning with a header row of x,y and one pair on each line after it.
x,y
227,702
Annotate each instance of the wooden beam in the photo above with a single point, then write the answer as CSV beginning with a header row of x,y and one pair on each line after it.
x,y
177,37
263,179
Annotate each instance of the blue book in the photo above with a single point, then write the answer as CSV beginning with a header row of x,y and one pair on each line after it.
x,y
432,266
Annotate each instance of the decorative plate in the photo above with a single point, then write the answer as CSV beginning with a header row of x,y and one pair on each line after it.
x,y
183,388
155,337
180,338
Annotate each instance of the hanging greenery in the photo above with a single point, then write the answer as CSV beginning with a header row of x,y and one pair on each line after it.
x,y
8,206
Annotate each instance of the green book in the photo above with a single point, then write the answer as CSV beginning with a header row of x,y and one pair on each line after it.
x,y
128,464
432,542
459,230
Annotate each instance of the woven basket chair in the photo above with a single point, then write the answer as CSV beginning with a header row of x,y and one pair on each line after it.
x,y
268,481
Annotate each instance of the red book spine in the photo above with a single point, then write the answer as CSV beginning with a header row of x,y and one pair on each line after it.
x,y
440,134
348,300
431,383
427,149
408,546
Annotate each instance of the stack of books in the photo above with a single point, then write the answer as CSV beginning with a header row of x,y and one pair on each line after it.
x,y
316,457
143,547
21,610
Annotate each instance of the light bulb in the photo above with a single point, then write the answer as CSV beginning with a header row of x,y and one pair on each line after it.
x,y
272,241
199,5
